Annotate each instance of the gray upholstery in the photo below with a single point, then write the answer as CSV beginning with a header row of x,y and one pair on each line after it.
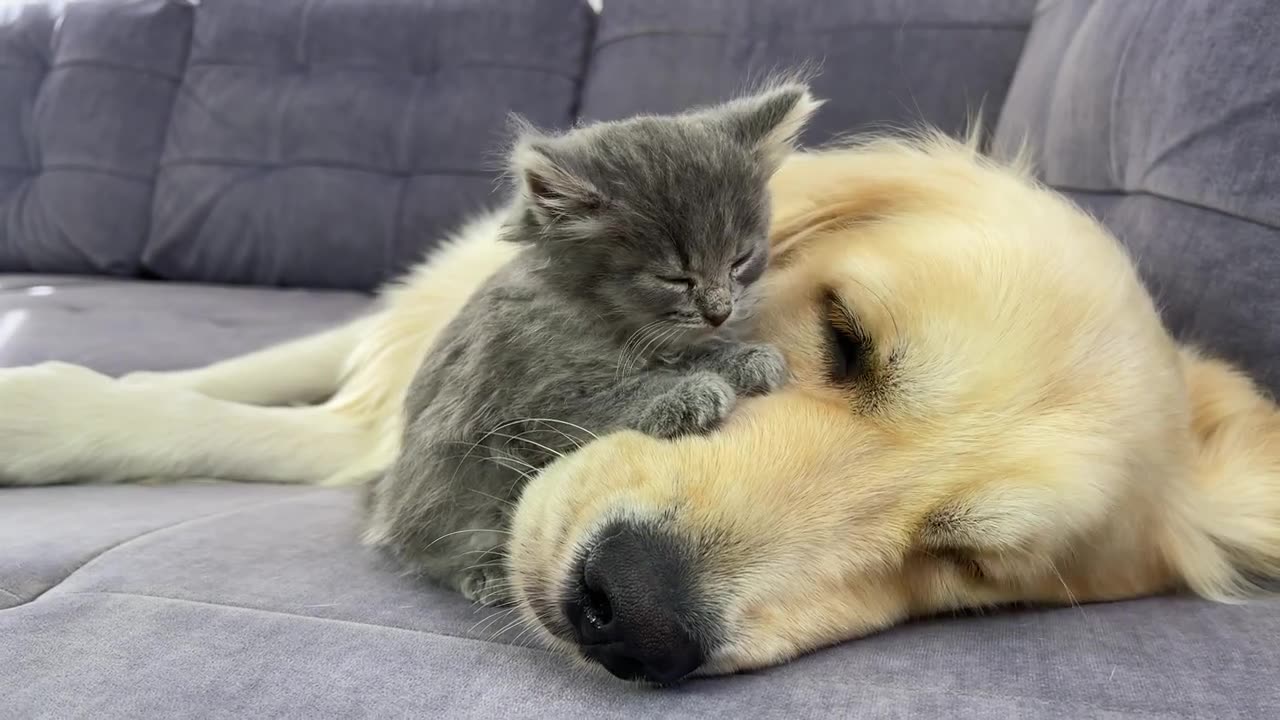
x,y
329,144
249,601
879,62
117,326
317,144
1166,125
273,143
84,107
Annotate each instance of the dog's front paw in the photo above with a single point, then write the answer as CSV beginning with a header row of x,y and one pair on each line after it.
x,y
697,404
755,369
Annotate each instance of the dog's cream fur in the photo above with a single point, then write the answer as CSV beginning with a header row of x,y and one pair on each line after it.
x,y
1027,430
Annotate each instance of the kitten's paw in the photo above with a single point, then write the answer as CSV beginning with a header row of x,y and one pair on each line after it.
x,y
755,369
484,586
698,404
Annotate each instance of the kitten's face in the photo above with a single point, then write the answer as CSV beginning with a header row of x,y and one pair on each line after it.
x,y
685,234
661,222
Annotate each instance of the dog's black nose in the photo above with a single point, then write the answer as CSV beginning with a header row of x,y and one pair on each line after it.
x,y
631,609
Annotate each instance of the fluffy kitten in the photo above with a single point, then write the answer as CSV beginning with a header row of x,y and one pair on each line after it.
x,y
642,238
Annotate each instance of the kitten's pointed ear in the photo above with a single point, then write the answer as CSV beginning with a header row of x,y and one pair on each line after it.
x,y
771,121
550,189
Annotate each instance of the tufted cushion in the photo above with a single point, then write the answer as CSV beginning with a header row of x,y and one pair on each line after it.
x,y
84,99
328,143
1166,125
880,61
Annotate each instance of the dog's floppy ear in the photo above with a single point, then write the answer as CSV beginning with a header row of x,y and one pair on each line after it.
x,y
545,180
771,121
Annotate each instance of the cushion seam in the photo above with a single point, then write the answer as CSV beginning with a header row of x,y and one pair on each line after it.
x,y
264,611
115,67
310,68
870,26
1118,171
1161,196
140,178
289,165
153,531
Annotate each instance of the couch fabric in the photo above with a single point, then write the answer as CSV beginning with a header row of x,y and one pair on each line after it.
x,y
879,63
272,144
296,142
86,97
227,601
1166,125
116,326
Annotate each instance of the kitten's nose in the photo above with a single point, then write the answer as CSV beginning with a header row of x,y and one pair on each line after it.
x,y
716,305
716,316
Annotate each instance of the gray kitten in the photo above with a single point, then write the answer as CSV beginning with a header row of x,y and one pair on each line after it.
x,y
643,238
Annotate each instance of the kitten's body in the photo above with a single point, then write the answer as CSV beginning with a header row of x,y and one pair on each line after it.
x,y
580,333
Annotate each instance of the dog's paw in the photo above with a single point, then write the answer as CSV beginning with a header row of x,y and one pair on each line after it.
x,y
45,392
697,404
153,379
755,369
44,411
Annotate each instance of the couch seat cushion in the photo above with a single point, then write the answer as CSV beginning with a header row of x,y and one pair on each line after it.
x,y
117,326
220,600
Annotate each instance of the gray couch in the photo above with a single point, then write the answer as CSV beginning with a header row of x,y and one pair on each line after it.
x,y
181,182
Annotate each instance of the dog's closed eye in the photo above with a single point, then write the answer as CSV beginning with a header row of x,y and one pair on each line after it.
x,y
849,351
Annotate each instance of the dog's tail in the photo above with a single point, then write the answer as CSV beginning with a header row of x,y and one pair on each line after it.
x,y
1226,540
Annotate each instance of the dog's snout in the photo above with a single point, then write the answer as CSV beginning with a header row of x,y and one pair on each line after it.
x,y
631,609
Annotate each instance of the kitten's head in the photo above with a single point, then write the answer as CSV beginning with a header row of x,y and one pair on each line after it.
x,y
659,219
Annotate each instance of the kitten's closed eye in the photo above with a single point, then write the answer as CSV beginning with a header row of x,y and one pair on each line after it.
x,y
742,261
677,281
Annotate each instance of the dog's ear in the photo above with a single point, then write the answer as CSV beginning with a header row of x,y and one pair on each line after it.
x,y
770,121
545,180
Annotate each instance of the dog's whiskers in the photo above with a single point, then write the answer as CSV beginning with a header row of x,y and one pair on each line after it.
x,y
507,627
484,622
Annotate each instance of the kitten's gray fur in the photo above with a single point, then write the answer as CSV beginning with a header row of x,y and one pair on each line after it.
x,y
562,340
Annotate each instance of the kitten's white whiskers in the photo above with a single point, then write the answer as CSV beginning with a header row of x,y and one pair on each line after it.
x,y
521,438
658,342
492,497
639,355
459,532
633,343
565,422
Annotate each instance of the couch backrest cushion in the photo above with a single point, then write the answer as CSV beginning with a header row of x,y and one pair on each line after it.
x,y
329,143
881,62
1163,119
84,101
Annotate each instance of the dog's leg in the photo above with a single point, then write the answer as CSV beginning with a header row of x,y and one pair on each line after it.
x,y
63,423
303,371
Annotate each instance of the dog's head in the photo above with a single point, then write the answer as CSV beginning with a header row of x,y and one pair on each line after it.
x,y
983,406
